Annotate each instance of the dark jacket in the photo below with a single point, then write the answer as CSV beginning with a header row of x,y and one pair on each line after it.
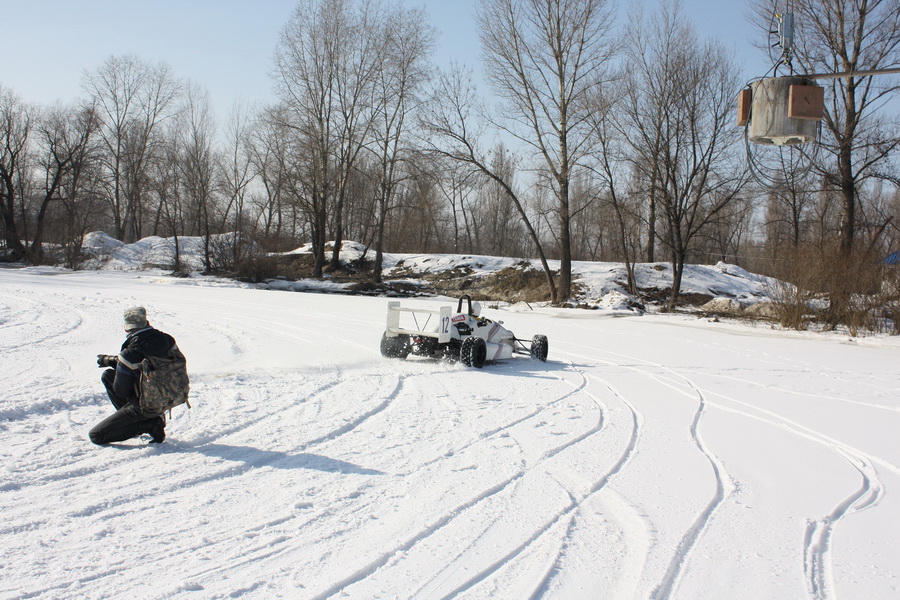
x,y
137,346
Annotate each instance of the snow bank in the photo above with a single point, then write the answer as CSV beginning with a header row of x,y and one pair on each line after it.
x,y
602,285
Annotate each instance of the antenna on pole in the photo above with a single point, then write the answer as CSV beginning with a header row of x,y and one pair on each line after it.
x,y
786,38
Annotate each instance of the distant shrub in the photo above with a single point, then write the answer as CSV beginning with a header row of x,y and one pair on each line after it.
x,y
832,288
256,268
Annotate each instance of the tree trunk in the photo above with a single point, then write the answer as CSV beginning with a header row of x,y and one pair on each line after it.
x,y
9,219
848,198
677,274
335,263
378,265
565,242
651,223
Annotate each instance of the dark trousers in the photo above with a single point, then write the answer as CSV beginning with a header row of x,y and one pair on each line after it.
x,y
127,422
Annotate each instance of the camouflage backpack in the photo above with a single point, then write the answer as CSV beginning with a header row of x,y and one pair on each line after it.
x,y
164,383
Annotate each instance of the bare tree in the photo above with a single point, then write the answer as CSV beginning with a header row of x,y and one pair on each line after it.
x,y
268,144
15,128
786,215
546,59
455,182
43,156
132,98
362,61
64,143
681,113
309,64
80,190
235,169
493,218
197,161
167,182
408,42
612,157
453,128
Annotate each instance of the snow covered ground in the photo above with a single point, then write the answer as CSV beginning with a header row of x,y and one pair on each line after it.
x,y
650,457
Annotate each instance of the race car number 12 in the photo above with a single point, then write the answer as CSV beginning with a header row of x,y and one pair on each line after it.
x,y
445,325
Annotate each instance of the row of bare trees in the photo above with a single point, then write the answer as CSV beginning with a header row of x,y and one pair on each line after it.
x,y
587,149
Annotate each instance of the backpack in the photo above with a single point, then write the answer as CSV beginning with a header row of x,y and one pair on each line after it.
x,y
164,383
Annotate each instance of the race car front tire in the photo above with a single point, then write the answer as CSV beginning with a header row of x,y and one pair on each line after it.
x,y
539,347
473,352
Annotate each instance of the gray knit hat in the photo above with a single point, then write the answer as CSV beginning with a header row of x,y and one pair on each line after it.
x,y
135,318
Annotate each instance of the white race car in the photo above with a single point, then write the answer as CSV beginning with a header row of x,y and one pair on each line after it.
x,y
463,335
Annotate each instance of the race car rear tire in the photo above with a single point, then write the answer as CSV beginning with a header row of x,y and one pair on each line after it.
x,y
394,347
473,352
539,347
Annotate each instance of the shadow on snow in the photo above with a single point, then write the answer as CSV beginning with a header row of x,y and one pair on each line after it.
x,y
254,457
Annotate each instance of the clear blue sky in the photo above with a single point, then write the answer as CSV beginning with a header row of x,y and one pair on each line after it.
x,y
227,45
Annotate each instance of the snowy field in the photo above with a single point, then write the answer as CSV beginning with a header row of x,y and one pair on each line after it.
x,y
650,457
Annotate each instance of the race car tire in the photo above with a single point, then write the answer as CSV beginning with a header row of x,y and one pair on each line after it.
x,y
394,347
539,347
473,352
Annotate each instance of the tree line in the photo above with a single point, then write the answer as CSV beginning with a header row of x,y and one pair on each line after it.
x,y
597,140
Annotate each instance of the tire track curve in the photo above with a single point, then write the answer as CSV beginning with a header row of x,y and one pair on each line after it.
x,y
505,486
723,484
819,533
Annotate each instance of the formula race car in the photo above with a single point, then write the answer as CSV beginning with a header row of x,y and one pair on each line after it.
x,y
465,335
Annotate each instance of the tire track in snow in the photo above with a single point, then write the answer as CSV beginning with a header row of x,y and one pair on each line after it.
x,y
817,540
227,469
546,582
293,331
296,332
230,328
143,502
504,560
583,388
817,543
547,455
60,469
411,541
25,310
334,433
816,395
818,536
576,501
723,485
358,419
568,512
724,488
506,427
39,326
502,487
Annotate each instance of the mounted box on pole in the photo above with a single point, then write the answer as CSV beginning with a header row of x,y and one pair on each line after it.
x,y
806,102
744,99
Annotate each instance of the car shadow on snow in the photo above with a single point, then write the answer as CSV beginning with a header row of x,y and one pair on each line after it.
x,y
255,458
520,367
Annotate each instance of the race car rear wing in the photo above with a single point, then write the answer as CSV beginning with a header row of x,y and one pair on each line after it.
x,y
412,326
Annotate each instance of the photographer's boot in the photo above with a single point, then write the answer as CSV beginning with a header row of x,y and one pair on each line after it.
x,y
157,430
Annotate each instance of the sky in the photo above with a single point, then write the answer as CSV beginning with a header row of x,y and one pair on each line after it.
x,y
227,45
